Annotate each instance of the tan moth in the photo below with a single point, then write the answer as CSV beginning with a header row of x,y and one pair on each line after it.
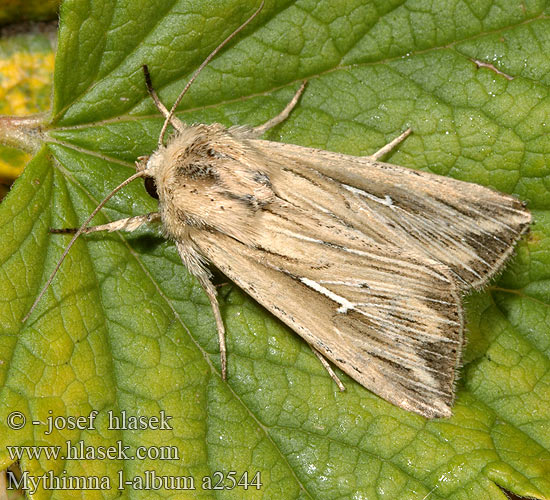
x,y
365,260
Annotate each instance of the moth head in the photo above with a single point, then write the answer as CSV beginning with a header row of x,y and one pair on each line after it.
x,y
154,163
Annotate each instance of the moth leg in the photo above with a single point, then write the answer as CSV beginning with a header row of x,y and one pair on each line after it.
x,y
328,368
210,290
194,263
388,147
129,224
283,115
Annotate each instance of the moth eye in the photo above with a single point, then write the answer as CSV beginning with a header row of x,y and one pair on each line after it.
x,y
151,187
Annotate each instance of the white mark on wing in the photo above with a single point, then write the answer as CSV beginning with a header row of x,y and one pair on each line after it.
x,y
391,326
387,201
345,304
302,237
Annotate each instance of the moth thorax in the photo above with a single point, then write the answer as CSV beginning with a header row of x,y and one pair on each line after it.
x,y
196,164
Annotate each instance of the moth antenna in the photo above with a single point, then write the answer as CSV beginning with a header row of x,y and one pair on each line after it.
x,y
201,67
176,123
76,235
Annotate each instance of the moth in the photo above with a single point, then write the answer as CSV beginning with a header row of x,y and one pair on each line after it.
x,y
365,260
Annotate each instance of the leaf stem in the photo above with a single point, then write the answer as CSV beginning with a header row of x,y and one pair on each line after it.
x,y
22,132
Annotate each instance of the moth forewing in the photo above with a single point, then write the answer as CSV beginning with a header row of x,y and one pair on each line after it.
x,y
391,321
470,228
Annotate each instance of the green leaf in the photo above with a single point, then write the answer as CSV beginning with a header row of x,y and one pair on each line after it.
x,y
125,328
